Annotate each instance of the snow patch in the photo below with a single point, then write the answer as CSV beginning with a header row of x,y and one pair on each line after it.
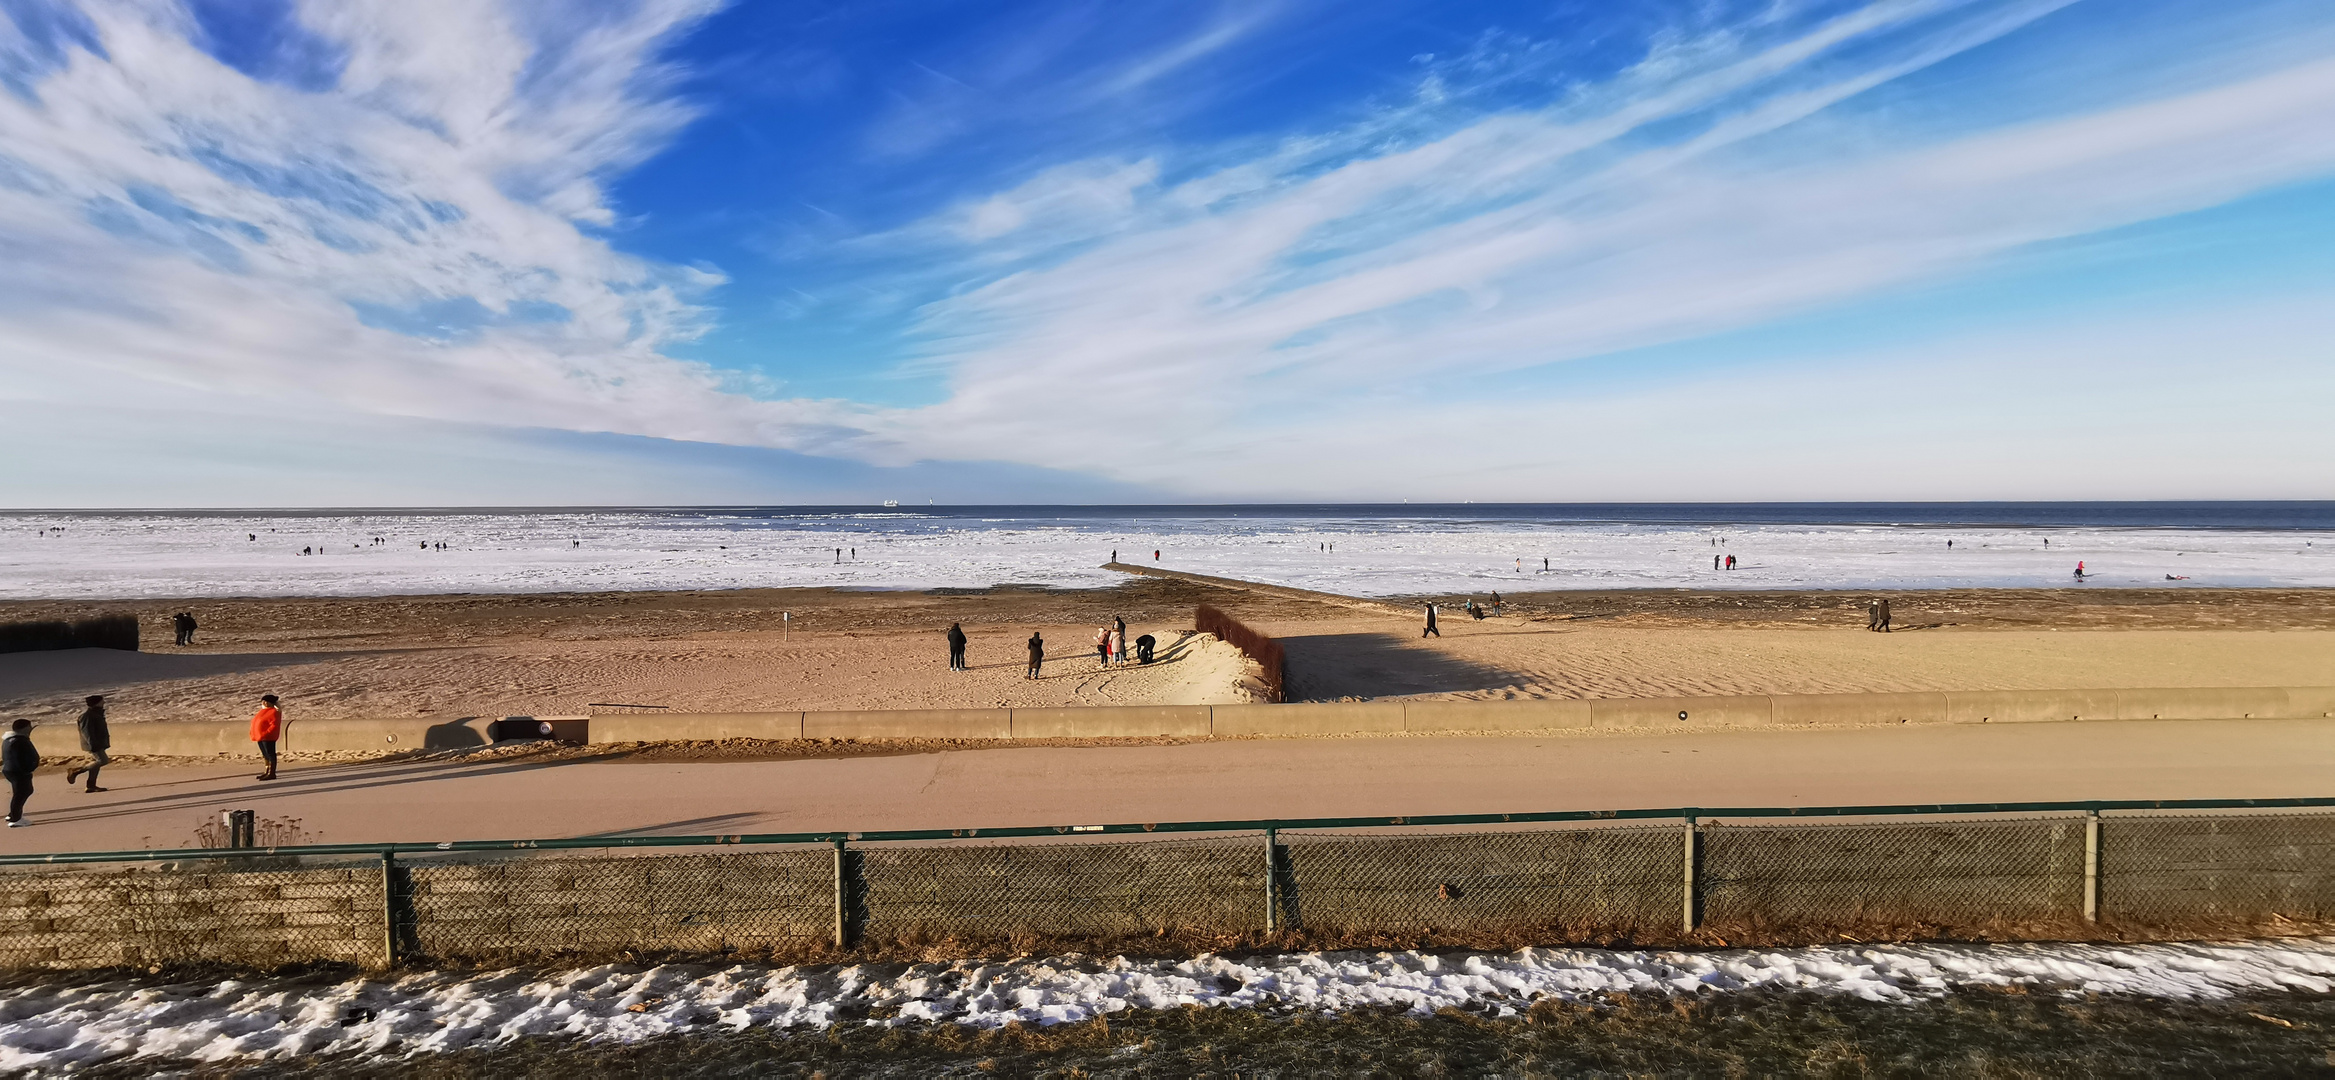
x,y
68,1024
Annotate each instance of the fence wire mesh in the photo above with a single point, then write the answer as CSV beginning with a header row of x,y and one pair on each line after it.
x,y
707,904
255,912
1961,873
1575,881
2225,866
1099,890
1552,885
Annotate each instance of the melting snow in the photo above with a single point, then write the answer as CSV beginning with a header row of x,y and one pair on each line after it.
x,y
66,1024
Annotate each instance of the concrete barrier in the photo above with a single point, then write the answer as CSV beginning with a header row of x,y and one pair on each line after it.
x,y
207,738
1313,718
1528,714
233,737
2310,701
640,727
1698,712
2206,703
1829,710
1112,721
2030,706
909,724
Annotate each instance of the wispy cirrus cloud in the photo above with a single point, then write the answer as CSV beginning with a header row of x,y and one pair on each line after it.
x,y
407,216
420,238
1333,275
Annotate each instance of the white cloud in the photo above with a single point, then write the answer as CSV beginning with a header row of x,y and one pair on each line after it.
x,y
418,242
176,223
1200,328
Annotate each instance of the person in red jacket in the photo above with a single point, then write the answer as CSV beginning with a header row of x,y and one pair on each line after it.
x,y
267,726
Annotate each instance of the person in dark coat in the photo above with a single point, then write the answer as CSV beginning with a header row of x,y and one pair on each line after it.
x,y
1431,623
1037,654
956,647
95,740
18,759
1881,617
1143,647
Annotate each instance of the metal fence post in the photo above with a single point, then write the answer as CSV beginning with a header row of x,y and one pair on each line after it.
x,y
1272,872
2091,866
842,898
1686,914
388,910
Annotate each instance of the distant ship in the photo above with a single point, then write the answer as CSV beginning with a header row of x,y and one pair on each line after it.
x,y
891,502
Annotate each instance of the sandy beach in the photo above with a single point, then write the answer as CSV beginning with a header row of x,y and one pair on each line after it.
x,y
732,650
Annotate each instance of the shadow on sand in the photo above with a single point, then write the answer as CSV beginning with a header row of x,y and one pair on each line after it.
x,y
1325,667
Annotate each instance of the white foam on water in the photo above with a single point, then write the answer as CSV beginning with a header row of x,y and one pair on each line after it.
x,y
66,1023
90,556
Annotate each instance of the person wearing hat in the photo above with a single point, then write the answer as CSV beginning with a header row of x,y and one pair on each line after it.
x,y
267,726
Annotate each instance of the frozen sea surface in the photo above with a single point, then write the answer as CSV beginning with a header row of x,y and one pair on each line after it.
x,y
1356,552
62,1024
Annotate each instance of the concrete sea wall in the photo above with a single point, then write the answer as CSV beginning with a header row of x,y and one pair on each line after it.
x,y
1747,713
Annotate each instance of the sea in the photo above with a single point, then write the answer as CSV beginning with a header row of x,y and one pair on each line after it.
x,y
1378,550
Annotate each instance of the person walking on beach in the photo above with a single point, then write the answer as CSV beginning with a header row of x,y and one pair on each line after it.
x,y
1037,654
1431,622
2079,570
18,759
956,647
96,740
1119,627
1884,619
1119,644
267,726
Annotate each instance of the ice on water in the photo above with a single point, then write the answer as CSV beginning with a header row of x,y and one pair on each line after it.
x,y
166,555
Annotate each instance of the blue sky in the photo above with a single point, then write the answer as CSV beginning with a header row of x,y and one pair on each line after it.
x,y
271,252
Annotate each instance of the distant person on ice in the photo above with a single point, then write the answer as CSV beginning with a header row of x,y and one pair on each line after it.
x,y
95,739
2079,571
1037,655
1431,622
267,726
956,647
18,759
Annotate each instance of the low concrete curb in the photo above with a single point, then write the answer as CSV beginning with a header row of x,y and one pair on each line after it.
x,y
1744,713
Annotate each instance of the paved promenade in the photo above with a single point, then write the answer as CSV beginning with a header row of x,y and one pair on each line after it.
x,y
1328,777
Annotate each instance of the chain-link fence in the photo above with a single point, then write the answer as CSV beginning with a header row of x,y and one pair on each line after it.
x,y
2169,870
1327,883
252,912
1572,883
1961,874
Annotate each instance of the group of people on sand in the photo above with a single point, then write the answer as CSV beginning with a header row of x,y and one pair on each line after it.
x,y
1111,647
19,759
183,625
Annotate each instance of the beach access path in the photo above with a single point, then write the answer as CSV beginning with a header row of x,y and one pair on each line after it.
x,y
521,797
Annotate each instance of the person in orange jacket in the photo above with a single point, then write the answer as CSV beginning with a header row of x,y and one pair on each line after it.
x,y
267,726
